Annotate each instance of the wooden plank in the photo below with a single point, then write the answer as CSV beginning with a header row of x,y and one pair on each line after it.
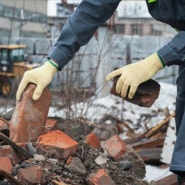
x,y
169,143
153,130
149,143
150,154
168,180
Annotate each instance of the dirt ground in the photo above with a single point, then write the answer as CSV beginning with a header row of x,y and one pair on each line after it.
x,y
59,171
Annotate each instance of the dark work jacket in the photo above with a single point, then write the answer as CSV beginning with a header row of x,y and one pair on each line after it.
x,y
171,12
90,14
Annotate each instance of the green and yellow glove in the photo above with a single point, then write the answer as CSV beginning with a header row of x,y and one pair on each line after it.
x,y
133,75
41,77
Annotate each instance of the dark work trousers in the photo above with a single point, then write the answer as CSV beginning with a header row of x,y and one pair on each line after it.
x,y
178,159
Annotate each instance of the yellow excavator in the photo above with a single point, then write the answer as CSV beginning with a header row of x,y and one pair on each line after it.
x,y
12,68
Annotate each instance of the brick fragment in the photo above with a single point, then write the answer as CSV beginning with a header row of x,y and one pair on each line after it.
x,y
74,164
56,144
115,147
7,151
4,127
31,175
29,117
69,160
92,140
51,124
6,164
145,95
100,178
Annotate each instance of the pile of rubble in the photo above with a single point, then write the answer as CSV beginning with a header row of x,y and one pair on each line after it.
x,y
34,149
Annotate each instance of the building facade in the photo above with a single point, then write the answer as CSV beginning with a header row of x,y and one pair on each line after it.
x,y
23,18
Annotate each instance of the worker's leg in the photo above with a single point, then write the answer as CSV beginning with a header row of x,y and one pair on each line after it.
x,y
178,158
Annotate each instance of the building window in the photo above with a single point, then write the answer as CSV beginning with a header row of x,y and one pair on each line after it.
x,y
136,29
119,28
155,30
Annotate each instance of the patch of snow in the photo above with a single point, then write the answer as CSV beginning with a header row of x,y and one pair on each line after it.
x,y
154,173
136,116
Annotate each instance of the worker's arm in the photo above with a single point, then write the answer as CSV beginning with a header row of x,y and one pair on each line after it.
x,y
132,75
80,27
77,31
173,53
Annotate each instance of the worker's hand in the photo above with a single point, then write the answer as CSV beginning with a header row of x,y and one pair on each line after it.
x,y
40,76
133,75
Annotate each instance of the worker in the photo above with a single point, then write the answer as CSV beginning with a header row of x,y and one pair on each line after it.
x,y
79,29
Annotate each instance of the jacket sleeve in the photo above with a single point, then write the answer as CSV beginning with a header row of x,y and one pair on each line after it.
x,y
80,27
174,52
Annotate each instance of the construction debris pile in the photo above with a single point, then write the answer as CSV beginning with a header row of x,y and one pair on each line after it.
x,y
35,149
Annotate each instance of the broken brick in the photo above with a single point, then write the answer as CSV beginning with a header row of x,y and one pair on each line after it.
x,y
100,178
56,144
29,117
4,127
7,151
69,160
6,164
146,93
115,147
31,175
92,140
51,124
74,164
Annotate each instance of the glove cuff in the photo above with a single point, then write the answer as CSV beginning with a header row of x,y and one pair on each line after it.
x,y
51,68
161,60
155,59
54,64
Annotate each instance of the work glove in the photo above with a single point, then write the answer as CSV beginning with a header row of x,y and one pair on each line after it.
x,y
132,75
40,76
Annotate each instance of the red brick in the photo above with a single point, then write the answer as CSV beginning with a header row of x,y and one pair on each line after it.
x,y
6,164
92,140
56,144
51,124
100,178
31,175
4,127
7,151
29,117
115,146
69,160
145,95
